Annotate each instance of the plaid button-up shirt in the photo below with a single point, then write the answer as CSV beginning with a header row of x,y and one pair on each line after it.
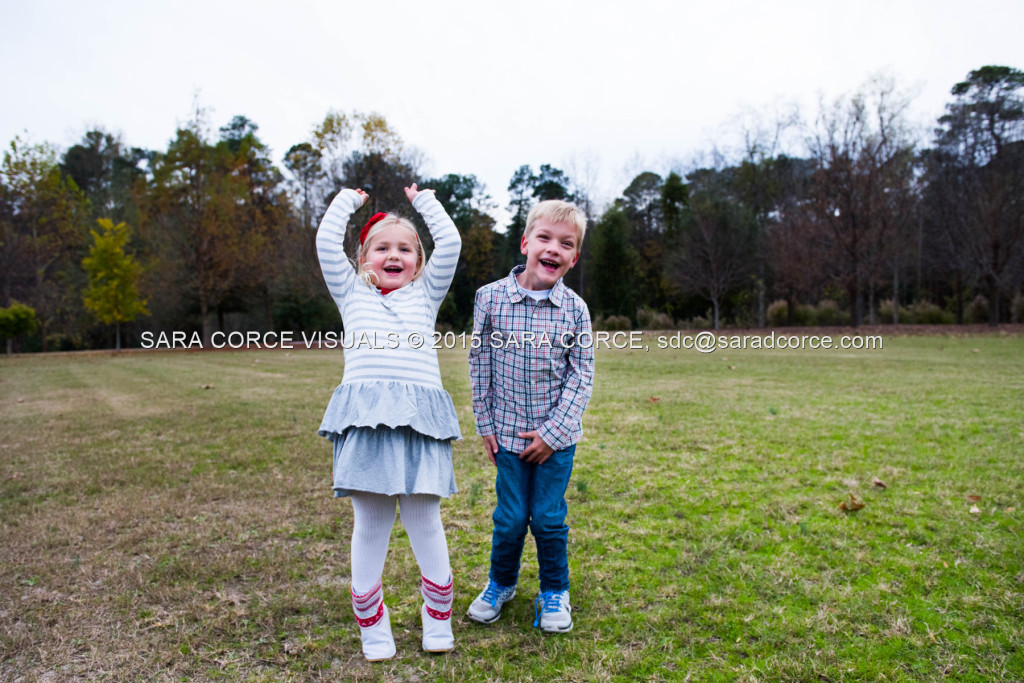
x,y
529,367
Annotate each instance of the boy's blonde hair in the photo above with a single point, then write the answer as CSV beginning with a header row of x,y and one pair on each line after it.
x,y
558,211
384,223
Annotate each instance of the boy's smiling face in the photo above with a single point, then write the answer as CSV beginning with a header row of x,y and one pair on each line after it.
x,y
551,249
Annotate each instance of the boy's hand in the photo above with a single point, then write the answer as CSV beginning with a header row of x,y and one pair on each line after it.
x,y
538,451
411,192
362,195
491,446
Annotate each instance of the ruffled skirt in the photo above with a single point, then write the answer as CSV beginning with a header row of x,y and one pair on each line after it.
x,y
393,462
391,438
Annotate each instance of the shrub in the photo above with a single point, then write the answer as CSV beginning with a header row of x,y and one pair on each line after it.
x,y
977,310
804,315
927,313
885,312
828,313
1017,308
612,323
699,322
648,319
777,312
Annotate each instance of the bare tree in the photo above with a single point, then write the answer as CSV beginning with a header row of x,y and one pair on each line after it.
x,y
864,152
716,243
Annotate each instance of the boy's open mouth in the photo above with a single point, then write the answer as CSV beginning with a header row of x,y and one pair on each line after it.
x,y
549,264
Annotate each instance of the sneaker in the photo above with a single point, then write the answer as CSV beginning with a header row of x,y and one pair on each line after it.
x,y
487,607
553,612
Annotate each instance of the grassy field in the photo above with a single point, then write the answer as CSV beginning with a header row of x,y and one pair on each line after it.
x,y
167,516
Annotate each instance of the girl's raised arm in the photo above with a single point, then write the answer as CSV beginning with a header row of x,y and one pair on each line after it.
x,y
330,243
440,270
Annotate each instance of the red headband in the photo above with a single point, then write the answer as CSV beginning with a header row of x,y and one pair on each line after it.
x,y
376,218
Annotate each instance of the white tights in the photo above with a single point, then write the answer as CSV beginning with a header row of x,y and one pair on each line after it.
x,y
375,516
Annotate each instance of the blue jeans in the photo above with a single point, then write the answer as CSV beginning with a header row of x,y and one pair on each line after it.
x,y
533,496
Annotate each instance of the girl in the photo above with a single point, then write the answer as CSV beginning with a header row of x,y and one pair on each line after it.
x,y
390,420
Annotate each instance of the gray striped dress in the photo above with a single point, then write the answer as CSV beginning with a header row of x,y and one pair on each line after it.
x,y
390,419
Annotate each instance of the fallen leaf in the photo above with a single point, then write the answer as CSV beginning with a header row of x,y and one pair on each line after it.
x,y
879,483
852,505
946,565
975,510
975,350
974,499
732,367
207,386
655,399
1011,509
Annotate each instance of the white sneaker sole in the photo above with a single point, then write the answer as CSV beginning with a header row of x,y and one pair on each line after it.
x,y
564,629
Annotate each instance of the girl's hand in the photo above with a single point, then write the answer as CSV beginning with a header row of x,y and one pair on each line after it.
x,y
411,192
362,195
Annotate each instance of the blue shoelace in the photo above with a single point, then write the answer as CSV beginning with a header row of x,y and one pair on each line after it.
x,y
491,593
552,602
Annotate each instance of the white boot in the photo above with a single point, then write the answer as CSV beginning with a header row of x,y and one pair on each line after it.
x,y
437,633
378,643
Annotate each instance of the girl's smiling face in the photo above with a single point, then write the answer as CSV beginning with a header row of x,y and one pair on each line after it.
x,y
392,255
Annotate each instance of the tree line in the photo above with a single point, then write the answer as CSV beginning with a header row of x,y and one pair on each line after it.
x,y
861,223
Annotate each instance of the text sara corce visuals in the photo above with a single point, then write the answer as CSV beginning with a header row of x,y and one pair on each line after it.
x,y
387,340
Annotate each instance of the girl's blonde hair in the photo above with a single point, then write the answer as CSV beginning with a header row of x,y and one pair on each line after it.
x,y
384,223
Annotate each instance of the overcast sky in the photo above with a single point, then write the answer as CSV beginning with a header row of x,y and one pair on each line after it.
x,y
481,88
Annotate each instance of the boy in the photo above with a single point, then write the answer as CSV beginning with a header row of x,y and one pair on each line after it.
x,y
532,372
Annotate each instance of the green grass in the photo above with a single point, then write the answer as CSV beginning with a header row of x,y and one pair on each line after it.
x,y
151,528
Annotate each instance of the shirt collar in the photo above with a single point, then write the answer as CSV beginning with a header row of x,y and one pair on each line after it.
x,y
516,294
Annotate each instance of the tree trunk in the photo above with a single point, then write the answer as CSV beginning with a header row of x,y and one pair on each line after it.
x,y
895,294
117,346
204,311
761,311
871,301
959,299
267,313
853,293
993,303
